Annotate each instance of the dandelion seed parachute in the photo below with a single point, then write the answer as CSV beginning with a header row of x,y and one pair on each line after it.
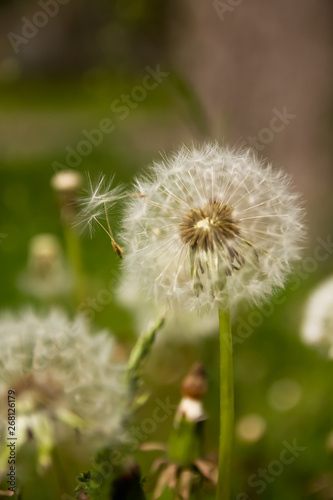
x,y
98,201
214,224
62,377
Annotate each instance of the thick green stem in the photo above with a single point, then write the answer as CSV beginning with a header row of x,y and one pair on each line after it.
x,y
226,407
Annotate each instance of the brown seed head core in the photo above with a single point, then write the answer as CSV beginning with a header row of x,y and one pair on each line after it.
x,y
209,227
46,389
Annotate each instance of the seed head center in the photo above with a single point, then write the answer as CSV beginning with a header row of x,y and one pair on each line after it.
x,y
205,224
44,390
210,227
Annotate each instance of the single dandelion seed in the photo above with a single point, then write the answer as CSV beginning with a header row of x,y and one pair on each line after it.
x,y
100,198
216,226
62,377
98,203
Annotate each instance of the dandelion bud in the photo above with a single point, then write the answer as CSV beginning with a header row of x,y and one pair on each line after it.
x,y
194,384
193,389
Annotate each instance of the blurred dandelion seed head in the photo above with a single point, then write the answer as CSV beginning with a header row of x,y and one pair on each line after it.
x,y
317,328
214,223
67,184
62,377
66,181
47,274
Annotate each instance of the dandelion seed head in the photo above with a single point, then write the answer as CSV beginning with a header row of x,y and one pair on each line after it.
x,y
214,223
47,273
62,377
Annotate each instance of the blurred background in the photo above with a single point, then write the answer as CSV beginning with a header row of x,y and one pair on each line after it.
x,y
149,75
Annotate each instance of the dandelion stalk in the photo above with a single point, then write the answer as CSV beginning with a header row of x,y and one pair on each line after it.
x,y
226,406
67,184
75,258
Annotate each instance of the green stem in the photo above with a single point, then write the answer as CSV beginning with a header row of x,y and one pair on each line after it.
x,y
226,406
75,258
60,473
